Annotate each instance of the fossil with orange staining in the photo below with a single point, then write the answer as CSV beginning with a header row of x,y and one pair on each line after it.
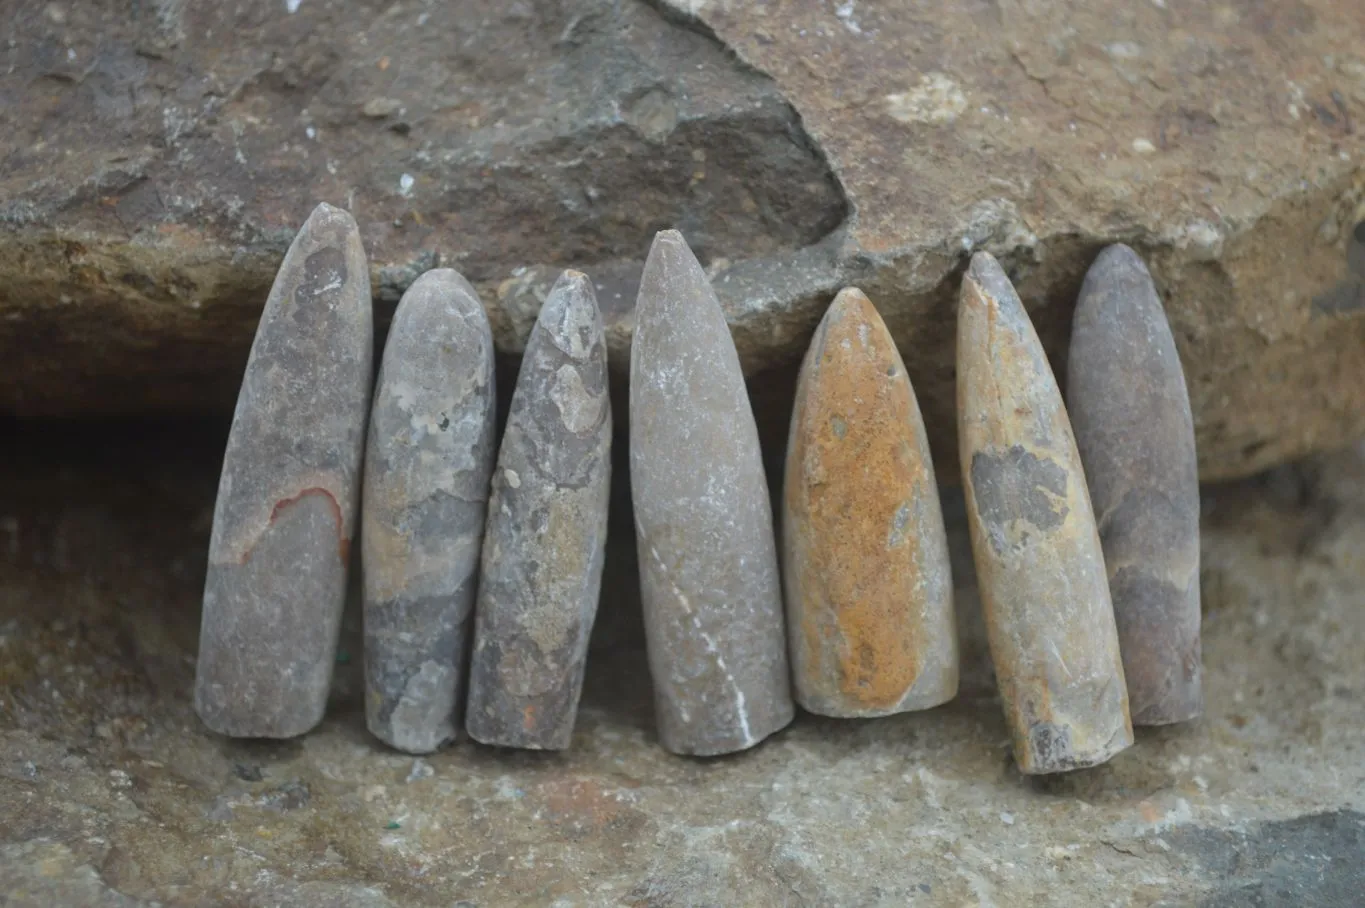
x,y
546,533
868,585
1039,565
286,505
1131,411
427,464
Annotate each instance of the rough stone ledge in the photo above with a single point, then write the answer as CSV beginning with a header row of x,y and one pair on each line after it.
x,y
152,174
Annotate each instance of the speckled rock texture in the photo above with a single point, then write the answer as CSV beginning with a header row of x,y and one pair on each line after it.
x,y
427,467
114,794
869,589
547,532
703,520
159,156
286,508
1038,557
1131,415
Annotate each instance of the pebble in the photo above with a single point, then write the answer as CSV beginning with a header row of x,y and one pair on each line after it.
x,y
869,589
1039,564
285,513
546,531
1131,412
427,467
703,519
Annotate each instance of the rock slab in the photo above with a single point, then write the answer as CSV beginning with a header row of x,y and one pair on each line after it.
x,y
285,513
703,519
427,467
546,533
1131,414
868,584
1039,564
158,158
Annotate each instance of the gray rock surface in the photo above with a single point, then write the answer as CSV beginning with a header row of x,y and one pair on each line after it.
x,y
1131,414
157,159
703,520
1037,551
111,789
286,508
546,533
427,467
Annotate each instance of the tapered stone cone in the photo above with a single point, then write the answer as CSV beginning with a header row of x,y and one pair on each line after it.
x,y
427,465
703,519
869,589
1038,560
1131,412
546,532
284,518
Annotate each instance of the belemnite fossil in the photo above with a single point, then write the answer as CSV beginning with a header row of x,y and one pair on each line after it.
x,y
1131,412
868,584
427,464
483,558
546,534
1038,559
285,513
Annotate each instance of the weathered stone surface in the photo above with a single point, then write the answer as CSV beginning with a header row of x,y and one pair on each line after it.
x,y
285,514
156,158
427,467
703,520
546,533
1131,414
868,583
103,765
1038,557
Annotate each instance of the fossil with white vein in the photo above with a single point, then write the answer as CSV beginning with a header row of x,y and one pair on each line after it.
x,y
703,519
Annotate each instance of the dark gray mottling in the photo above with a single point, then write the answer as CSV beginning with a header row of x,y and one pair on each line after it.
x,y
1016,485
546,532
1315,859
426,486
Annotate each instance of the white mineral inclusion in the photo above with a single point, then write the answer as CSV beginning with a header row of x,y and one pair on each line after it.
x,y
937,99
578,409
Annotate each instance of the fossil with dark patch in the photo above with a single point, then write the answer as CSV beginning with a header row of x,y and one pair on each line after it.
x,y
546,532
427,463
703,519
1038,558
285,513
1131,413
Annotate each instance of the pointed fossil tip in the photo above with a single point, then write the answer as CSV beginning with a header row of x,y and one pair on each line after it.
x,y
1118,255
983,266
570,315
571,279
850,296
451,286
330,214
572,288
989,279
670,242
851,299
669,253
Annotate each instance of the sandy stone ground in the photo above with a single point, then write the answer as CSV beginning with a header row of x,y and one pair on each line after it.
x,y
113,794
